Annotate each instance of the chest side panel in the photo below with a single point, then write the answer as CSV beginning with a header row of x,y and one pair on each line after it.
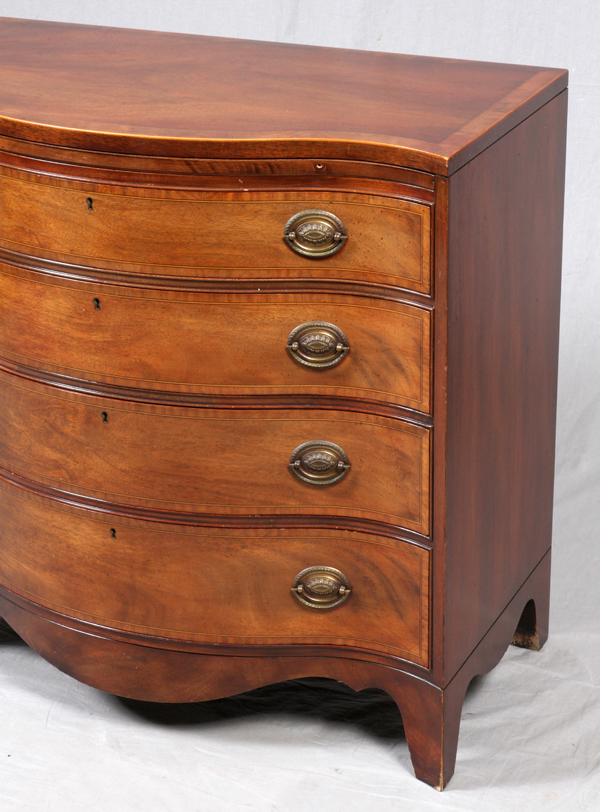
x,y
505,244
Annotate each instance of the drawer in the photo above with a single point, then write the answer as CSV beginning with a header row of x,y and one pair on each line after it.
x,y
226,235
214,586
234,462
216,344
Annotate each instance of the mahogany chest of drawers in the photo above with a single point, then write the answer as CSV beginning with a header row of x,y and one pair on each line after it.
x,y
278,354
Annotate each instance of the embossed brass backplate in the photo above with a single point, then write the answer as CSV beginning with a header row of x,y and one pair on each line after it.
x,y
321,587
318,344
319,462
315,234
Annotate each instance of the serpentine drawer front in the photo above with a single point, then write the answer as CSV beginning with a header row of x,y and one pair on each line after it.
x,y
219,345
278,361
206,461
221,235
168,581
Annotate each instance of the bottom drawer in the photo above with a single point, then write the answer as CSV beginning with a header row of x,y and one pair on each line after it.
x,y
225,586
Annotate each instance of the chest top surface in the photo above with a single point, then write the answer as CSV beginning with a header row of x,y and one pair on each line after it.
x,y
112,88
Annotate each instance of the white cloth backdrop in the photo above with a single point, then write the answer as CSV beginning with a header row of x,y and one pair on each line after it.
x,y
530,736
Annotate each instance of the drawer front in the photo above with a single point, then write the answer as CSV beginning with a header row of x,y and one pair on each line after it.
x,y
215,344
216,234
213,461
221,586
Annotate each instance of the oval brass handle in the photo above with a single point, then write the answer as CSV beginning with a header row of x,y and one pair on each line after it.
x,y
319,462
318,344
321,587
314,233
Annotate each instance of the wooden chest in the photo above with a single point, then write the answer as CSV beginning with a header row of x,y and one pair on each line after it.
x,y
278,352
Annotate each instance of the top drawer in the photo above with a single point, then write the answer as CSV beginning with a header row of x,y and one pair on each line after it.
x,y
215,235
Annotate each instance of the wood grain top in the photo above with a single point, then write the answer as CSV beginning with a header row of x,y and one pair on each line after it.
x,y
146,92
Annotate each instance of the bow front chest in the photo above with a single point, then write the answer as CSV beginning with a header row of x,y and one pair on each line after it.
x,y
278,353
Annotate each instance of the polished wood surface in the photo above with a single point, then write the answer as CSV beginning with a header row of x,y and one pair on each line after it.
x,y
209,461
227,586
211,344
214,234
502,372
148,514
274,99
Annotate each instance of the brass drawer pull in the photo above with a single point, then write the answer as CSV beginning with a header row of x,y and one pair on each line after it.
x,y
318,344
321,587
314,233
319,462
